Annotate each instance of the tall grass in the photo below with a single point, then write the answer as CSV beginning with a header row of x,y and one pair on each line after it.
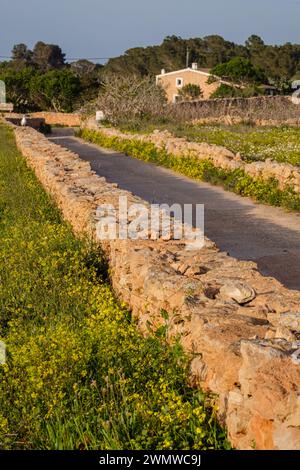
x,y
78,373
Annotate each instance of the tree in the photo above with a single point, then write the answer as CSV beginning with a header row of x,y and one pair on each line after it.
x,y
190,92
56,90
48,56
239,70
277,61
226,91
90,78
31,86
21,53
18,87
83,67
255,44
217,50
127,98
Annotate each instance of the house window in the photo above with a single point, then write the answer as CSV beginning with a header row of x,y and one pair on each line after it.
x,y
175,98
179,82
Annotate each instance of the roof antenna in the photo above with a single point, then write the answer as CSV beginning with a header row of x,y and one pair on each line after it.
x,y
187,57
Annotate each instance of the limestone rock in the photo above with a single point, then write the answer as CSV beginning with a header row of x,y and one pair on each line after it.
x,y
285,333
290,320
240,292
296,357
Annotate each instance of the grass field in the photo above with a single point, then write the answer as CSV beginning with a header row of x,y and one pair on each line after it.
x,y
253,143
78,374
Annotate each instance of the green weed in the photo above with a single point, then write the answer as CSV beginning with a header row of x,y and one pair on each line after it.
x,y
79,375
265,191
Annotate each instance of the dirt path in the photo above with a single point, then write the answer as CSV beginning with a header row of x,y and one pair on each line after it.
x,y
268,235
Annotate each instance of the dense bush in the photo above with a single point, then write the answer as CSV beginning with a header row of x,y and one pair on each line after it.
x,y
41,79
30,90
78,373
280,63
226,91
240,70
56,89
190,92
18,87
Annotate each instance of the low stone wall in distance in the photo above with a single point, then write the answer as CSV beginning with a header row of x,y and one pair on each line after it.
x,y
286,174
259,110
59,119
34,122
241,329
44,117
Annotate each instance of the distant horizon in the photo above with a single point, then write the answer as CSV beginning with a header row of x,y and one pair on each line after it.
x,y
96,28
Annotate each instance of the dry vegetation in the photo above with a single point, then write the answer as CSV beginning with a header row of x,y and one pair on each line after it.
x,y
279,109
133,101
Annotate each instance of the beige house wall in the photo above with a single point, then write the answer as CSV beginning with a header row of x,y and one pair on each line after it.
x,y
169,83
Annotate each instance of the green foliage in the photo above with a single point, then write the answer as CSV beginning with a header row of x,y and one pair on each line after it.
x,y
237,181
56,89
252,90
78,373
251,63
280,63
41,80
239,70
43,56
171,55
18,87
253,143
254,62
48,56
226,91
90,78
190,92
22,55
31,90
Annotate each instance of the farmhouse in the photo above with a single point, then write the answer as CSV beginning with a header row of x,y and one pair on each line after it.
x,y
172,82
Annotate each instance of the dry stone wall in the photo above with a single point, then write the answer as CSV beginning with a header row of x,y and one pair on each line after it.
x,y
284,173
275,110
35,122
59,119
47,117
241,329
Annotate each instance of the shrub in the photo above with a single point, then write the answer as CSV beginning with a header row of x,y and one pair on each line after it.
x,y
226,91
240,69
55,89
190,92
130,98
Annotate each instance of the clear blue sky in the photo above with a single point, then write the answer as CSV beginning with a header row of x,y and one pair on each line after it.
x,y
106,28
